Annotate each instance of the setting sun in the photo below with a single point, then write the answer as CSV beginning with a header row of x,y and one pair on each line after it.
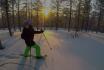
x,y
46,12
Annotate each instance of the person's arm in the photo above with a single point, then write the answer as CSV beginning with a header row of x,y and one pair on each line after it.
x,y
38,32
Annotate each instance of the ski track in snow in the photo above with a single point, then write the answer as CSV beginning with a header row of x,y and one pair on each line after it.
x,y
83,53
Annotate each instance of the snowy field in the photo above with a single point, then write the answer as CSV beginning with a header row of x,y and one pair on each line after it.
x,y
4,34
85,52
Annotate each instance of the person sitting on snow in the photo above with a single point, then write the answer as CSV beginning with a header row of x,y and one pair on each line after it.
x,y
28,35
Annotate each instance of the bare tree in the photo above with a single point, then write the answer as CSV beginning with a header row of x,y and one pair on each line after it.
x,y
78,16
70,15
13,16
101,14
57,7
18,9
7,16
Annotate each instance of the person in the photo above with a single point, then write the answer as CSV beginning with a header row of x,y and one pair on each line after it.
x,y
28,36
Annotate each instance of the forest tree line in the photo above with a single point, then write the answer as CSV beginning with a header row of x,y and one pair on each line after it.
x,y
79,15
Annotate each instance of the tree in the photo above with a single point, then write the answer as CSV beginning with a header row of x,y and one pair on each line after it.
x,y
37,7
5,5
18,10
56,7
87,13
101,10
65,15
78,16
7,16
70,15
13,16
2,14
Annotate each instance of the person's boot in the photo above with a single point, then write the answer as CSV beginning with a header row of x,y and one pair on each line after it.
x,y
25,56
39,57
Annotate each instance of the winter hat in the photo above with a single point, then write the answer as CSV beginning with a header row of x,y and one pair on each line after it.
x,y
28,22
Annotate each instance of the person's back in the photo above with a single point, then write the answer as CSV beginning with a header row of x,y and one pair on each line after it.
x,y
28,33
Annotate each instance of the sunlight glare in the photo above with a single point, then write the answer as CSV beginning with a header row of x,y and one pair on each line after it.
x,y
45,11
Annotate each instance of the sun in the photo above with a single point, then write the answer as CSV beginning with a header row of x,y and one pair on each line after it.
x,y
46,11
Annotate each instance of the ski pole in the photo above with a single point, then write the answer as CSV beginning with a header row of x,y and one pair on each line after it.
x,y
47,41
30,55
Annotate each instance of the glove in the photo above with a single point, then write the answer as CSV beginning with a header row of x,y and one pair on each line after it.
x,y
42,31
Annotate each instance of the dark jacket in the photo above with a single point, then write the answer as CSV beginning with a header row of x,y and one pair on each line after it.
x,y
28,35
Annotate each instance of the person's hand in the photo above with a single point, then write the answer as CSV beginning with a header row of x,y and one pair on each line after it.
x,y
42,30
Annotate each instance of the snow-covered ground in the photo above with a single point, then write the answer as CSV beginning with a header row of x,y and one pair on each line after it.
x,y
4,34
85,52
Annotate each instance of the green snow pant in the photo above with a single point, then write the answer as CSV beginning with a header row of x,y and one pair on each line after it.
x,y
27,49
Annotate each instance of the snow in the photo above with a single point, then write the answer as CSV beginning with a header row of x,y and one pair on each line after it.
x,y
4,34
82,53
